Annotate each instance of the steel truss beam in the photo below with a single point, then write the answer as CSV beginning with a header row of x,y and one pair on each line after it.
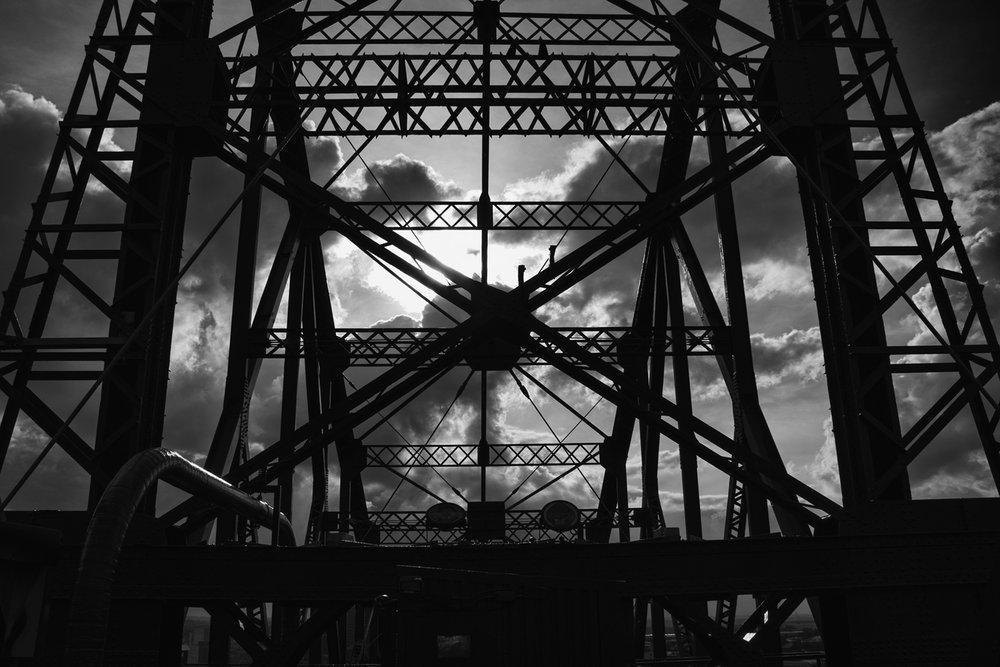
x,y
522,526
387,346
407,27
524,215
401,94
448,456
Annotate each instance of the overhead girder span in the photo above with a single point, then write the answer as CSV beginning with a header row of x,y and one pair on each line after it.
x,y
430,27
386,346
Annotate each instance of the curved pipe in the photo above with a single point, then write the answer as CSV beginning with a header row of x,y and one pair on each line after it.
x,y
91,601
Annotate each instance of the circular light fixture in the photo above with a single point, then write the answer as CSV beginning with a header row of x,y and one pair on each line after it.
x,y
445,515
560,516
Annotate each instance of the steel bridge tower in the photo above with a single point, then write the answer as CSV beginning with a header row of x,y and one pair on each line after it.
x,y
719,92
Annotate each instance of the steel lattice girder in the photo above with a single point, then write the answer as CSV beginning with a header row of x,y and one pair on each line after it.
x,y
387,346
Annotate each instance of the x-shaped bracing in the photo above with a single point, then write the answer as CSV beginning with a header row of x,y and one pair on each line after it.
x,y
485,306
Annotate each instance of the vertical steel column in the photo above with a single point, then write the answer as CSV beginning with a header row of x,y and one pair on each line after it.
x,y
233,423
241,371
133,396
752,426
673,169
332,362
682,387
291,367
239,374
648,435
957,335
862,400
317,395
650,322
486,16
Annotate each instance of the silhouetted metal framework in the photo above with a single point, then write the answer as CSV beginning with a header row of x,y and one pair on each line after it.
x,y
822,89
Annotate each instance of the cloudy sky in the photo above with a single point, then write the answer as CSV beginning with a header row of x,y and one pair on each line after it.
x,y
949,60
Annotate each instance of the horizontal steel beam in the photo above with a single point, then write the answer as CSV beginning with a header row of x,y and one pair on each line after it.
x,y
711,568
386,347
523,215
459,455
521,526
406,74
442,94
430,27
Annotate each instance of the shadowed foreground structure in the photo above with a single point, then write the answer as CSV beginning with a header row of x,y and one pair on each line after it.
x,y
493,580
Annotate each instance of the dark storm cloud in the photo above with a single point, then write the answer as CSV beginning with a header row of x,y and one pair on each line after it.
x,y
324,156
794,351
401,178
606,298
420,417
785,364
769,216
592,183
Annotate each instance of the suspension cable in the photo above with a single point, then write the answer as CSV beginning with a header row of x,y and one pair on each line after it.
x,y
558,439
577,467
386,419
458,394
